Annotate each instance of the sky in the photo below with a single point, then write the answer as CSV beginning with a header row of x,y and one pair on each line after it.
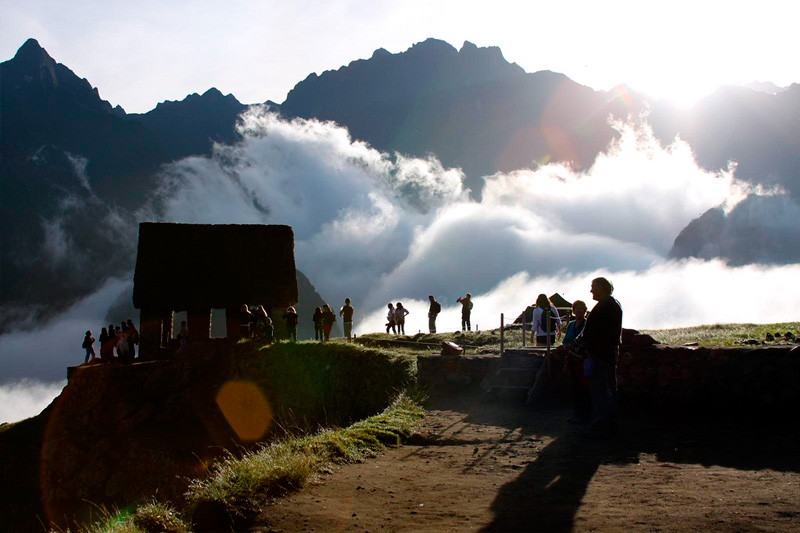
x,y
141,53
380,227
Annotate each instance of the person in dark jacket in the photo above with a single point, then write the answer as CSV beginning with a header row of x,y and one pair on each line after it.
x,y
573,366
600,338
433,312
328,319
318,334
291,317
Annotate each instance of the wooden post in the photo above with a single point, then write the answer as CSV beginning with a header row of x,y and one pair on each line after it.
x,y
167,321
502,345
524,323
150,333
232,325
198,321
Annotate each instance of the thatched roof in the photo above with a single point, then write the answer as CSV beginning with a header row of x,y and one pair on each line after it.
x,y
180,266
556,299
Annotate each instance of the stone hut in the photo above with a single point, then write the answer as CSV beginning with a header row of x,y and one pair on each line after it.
x,y
200,267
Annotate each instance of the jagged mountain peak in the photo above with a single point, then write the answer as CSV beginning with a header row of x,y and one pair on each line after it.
x,y
431,44
31,51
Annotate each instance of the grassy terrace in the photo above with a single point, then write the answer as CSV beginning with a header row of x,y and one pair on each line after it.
x,y
485,341
240,484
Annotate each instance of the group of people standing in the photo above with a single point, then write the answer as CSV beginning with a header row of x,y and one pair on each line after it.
x,y
258,324
396,318
324,319
123,339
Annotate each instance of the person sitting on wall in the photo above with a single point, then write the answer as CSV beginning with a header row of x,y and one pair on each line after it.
x,y
573,366
291,318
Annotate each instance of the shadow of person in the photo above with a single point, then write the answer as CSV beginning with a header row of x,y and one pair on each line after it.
x,y
549,492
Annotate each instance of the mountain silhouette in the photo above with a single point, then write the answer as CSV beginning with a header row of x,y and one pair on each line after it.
x,y
69,157
191,126
469,107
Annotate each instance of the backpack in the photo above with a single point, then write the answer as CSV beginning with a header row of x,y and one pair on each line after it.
x,y
437,308
544,320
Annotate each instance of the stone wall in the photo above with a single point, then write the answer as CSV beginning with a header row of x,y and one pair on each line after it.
x,y
763,375
647,372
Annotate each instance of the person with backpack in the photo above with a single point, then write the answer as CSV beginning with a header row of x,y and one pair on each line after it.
x,y
88,345
433,312
544,316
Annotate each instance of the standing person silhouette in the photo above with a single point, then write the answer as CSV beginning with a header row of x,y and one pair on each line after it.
x,y
400,313
346,313
543,316
390,319
318,334
291,318
433,312
601,338
466,311
328,319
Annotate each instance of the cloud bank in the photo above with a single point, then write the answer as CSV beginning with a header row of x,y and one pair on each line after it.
x,y
26,398
379,227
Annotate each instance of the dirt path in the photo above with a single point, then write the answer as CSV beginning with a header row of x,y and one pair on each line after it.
x,y
502,467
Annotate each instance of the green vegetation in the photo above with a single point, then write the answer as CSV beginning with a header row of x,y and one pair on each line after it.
x,y
723,334
489,341
151,517
240,484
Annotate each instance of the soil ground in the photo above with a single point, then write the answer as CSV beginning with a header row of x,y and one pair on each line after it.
x,y
498,465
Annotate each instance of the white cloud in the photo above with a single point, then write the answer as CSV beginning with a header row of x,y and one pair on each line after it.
x,y
47,350
668,294
377,228
26,398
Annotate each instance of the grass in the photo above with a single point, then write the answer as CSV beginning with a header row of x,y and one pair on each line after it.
x,y
723,334
241,484
476,342
151,517
277,468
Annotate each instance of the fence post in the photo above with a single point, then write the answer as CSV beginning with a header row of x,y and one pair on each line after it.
x,y
501,334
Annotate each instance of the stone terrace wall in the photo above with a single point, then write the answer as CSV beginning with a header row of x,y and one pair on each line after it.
x,y
764,375
659,373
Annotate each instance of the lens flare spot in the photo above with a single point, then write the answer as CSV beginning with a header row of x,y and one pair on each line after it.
x,y
245,408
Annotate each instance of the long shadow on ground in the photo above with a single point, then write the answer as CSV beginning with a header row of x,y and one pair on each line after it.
x,y
548,493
